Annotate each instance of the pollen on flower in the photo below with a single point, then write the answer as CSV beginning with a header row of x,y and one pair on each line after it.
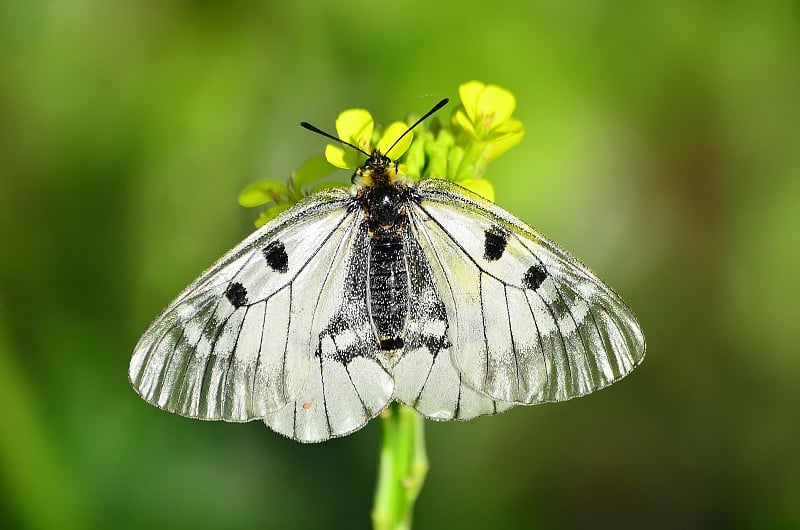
x,y
486,122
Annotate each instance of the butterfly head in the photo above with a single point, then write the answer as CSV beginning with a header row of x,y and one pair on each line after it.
x,y
378,170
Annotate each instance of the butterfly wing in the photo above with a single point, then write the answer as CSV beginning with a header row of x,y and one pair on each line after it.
x,y
425,377
348,384
240,342
528,322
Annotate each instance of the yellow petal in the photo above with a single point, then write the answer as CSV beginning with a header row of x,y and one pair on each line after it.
x,y
495,149
512,126
497,103
390,136
337,156
355,126
463,121
469,93
482,187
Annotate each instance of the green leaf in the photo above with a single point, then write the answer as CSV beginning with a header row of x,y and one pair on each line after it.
x,y
263,192
271,213
310,171
327,186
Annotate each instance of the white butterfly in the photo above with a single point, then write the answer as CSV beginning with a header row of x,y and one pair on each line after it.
x,y
422,293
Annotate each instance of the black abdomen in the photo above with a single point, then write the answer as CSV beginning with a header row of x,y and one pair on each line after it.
x,y
388,289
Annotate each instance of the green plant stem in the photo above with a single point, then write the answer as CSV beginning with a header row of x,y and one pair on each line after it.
x,y
402,468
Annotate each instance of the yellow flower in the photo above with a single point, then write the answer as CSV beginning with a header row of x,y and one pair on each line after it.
x,y
486,117
481,129
356,126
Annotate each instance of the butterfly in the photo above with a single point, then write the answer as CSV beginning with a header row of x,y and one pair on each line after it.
x,y
418,292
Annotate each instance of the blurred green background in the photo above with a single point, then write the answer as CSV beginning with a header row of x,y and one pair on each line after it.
x,y
662,148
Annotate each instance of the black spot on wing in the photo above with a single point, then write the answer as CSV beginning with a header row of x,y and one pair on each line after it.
x,y
236,294
534,277
275,254
495,244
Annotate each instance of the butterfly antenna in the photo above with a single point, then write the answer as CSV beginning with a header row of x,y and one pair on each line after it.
x,y
436,107
306,125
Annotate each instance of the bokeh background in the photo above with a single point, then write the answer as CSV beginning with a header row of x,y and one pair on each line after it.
x,y
662,147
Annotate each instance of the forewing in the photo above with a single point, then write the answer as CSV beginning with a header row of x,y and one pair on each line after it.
x,y
237,343
529,323
424,375
347,384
